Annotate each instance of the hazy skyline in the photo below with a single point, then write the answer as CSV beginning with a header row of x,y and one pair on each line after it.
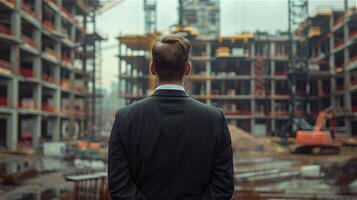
x,y
236,16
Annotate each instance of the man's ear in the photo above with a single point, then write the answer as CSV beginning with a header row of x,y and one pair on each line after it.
x,y
153,68
188,68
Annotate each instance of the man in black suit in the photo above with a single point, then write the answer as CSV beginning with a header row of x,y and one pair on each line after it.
x,y
169,146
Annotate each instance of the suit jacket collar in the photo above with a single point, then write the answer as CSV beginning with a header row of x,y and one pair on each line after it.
x,y
170,93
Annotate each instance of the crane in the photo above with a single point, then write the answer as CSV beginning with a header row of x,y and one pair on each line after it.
x,y
109,4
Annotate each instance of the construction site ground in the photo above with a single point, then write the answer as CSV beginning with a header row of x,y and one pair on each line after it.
x,y
263,169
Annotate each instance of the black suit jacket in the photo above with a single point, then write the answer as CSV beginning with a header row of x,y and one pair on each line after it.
x,y
169,146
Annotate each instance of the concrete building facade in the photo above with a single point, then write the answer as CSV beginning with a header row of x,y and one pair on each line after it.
x,y
42,82
203,15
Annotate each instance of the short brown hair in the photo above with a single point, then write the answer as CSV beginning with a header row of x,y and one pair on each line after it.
x,y
170,55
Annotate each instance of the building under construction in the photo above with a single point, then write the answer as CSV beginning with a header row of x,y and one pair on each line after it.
x,y
46,62
203,16
247,74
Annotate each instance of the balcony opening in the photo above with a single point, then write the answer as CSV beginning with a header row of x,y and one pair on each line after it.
x,y
267,89
28,34
25,131
29,7
262,107
301,108
66,30
79,83
262,49
66,10
48,72
65,78
325,102
339,104
240,87
352,27
199,88
199,51
4,101
301,88
340,84
79,106
26,65
48,100
242,107
281,87
353,53
65,104
326,87
5,23
314,107
5,65
323,65
78,62
354,102
243,68
199,68
339,62
313,88
338,39
281,68
47,128
48,47
48,17
66,56
27,96
338,18
280,108
282,123
3,133
353,77
281,49
354,128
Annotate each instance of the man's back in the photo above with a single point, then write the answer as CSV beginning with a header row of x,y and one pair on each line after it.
x,y
171,147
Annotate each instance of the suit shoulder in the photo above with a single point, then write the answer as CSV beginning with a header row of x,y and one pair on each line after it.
x,y
133,106
206,107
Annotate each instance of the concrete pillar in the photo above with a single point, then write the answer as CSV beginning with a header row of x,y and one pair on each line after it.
x,y
347,82
208,72
252,124
57,21
272,68
38,96
12,122
332,67
57,74
273,125
319,88
37,131
38,8
16,29
37,67
272,49
56,129
11,133
16,20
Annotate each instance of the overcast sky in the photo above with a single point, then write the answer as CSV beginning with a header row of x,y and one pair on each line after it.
x,y
236,16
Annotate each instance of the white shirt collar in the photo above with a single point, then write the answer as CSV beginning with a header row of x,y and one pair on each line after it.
x,y
170,87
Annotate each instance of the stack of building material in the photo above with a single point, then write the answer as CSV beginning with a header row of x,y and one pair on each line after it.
x,y
243,141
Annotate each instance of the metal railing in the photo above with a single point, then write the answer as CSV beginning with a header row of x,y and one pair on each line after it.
x,y
90,186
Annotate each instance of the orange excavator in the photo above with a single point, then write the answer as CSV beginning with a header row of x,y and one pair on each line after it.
x,y
317,140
